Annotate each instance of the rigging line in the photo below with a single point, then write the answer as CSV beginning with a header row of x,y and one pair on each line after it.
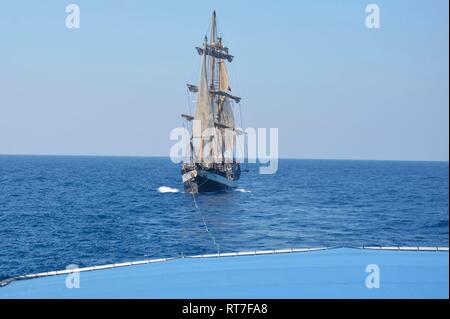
x,y
211,235
208,30
218,29
240,115
190,107
242,127
188,101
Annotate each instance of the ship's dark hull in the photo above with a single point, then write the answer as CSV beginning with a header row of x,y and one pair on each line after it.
x,y
198,179
205,185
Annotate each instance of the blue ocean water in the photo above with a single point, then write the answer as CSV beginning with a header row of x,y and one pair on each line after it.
x,y
57,210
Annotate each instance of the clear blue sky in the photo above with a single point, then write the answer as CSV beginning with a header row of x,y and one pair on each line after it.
x,y
334,88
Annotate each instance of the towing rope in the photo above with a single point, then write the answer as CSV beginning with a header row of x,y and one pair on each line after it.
x,y
211,235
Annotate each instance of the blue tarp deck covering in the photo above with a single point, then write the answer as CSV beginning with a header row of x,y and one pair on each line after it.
x,y
331,273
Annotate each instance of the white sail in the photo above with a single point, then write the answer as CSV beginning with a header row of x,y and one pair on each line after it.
x,y
203,119
226,115
223,79
203,111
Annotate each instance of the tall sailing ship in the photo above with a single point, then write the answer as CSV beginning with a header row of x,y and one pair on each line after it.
x,y
212,165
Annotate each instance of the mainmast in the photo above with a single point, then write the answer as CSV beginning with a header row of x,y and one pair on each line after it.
x,y
212,40
215,100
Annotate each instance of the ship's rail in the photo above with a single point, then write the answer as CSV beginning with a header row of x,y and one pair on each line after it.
x,y
216,255
410,248
219,166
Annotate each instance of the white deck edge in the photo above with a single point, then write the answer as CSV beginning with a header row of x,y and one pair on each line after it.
x,y
405,248
217,255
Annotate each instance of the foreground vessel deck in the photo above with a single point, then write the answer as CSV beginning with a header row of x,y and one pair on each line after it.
x,y
327,273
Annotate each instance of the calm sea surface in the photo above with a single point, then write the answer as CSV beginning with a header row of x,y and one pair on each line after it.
x,y
56,210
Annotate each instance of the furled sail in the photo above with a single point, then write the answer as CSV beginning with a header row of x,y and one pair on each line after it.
x,y
192,88
211,51
223,93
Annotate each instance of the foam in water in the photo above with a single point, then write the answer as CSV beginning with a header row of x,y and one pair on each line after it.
x,y
242,190
165,189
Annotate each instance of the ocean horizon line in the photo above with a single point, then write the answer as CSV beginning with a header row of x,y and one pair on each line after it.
x,y
280,158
